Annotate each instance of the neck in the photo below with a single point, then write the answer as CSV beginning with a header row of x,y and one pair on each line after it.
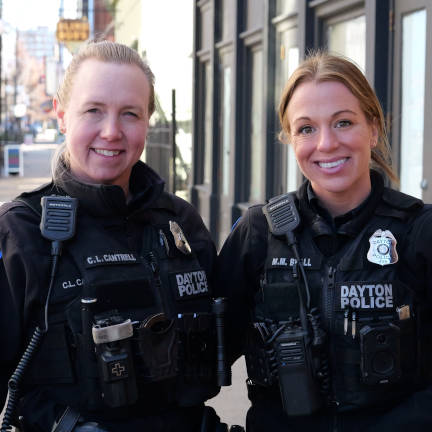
x,y
339,205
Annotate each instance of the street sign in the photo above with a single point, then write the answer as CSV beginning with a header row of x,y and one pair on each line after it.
x,y
74,30
13,160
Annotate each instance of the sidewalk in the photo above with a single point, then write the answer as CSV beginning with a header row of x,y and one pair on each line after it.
x,y
12,186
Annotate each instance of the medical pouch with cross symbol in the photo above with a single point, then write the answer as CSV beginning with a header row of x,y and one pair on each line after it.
x,y
112,337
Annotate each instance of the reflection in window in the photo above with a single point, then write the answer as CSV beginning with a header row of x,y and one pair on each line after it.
x,y
226,112
349,39
256,115
208,136
413,88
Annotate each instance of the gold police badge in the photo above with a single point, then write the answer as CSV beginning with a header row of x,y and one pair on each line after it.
x,y
179,238
382,248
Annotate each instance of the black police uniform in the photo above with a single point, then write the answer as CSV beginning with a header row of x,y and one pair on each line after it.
x,y
125,255
373,373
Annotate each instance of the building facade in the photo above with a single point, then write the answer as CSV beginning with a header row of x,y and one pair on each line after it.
x,y
245,50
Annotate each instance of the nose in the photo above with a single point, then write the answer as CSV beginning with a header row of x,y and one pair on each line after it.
x,y
111,128
327,140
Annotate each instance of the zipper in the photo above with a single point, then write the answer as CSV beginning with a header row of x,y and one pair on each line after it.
x,y
328,297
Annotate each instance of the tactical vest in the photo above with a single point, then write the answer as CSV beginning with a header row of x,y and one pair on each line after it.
x,y
372,318
156,284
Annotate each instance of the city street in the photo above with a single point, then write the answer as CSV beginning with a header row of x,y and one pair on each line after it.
x,y
36,171
231,404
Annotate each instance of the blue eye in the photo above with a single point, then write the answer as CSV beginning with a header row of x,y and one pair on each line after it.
x,y
306,130
343,123
92,110
130,113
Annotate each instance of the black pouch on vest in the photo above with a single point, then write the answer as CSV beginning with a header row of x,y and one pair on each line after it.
x,y
197,346
155,344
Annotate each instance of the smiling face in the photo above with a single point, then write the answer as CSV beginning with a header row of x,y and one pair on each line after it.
x,y
105,121
332,141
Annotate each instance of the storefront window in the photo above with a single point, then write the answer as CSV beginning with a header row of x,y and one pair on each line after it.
x,y
226,142
208,135
256,117
349,39
285,6
413,90
286,62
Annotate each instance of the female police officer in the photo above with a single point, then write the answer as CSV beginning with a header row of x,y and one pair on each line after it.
x,y
330,287
123,316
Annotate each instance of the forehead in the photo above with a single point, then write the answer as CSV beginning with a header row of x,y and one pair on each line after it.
x,y
105,81
314,96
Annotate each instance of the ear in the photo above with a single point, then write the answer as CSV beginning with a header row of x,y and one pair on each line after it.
x,y
60,113
374,130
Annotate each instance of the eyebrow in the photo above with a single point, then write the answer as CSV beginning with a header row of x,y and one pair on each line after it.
x,y
101,104
335,114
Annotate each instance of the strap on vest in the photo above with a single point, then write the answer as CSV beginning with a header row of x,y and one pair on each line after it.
x,y
67,421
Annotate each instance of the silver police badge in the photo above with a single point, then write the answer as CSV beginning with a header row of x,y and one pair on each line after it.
x,y
382,249
179,238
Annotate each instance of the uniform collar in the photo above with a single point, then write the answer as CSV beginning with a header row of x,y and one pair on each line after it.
x,y
349,223
145,185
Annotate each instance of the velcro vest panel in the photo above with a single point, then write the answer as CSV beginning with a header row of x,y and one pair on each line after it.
x,y
158,278
349,283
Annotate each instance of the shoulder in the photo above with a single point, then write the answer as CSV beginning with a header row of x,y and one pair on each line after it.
x,y
253,220
21,217
399,205
400,200
169,207
415,214
250,232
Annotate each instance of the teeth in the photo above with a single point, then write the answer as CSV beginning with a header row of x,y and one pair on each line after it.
x,y
107,152
332,164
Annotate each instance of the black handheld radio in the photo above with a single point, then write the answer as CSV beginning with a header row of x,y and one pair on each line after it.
x,y
298,385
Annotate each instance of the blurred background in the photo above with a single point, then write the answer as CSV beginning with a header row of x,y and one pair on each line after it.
x,y
37,42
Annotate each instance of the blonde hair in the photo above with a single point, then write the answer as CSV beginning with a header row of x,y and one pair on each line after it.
x,y
321,66
108,52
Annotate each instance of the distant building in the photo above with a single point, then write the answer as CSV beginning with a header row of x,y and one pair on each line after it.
x,y
38,43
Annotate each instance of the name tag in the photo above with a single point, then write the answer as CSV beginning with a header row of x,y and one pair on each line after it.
x,y
111,259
